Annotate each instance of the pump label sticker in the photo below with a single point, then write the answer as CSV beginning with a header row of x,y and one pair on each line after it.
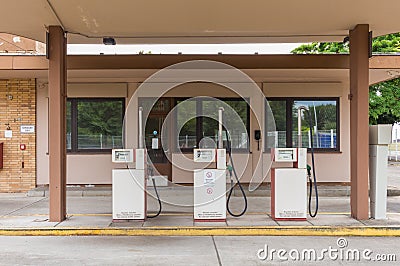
x,y
129,215
209,178
291,214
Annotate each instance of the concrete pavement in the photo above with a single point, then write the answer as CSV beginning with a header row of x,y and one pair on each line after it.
x,y
21,212
206,250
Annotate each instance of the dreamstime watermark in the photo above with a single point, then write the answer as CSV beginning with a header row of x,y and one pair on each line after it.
x,y
340,252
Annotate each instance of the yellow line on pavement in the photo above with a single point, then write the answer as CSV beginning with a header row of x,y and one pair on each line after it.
x,y
209,231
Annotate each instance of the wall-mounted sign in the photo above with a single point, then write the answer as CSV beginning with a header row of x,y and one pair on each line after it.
x,y
27,129
8,133
154,143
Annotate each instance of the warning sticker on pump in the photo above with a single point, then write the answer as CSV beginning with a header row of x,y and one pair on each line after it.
x,y
209,178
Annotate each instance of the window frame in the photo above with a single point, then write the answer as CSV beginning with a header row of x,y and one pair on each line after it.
x,y
199,121
289,120
74,122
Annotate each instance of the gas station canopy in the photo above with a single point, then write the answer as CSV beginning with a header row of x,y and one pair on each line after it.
x,y
206,21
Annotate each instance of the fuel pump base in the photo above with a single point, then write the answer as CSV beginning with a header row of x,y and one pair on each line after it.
x,y
129,194
129,185
289,185
289,194
210,195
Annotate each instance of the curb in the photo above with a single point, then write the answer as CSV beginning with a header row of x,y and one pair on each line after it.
x,y
210,231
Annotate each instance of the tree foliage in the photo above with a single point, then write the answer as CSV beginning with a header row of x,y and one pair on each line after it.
x,y
383,44
384,98
384,102
100,118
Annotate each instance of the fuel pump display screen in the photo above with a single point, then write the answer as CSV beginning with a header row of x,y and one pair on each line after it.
x,y
204,155
122,156
285,155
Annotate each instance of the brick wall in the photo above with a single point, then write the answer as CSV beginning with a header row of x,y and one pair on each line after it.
x,y
18,107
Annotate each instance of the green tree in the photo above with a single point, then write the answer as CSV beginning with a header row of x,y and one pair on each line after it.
x,y
384,102
384,98
98,117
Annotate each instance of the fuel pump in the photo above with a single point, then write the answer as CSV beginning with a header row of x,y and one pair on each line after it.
x,y
289,185
128,184
210,183
210,201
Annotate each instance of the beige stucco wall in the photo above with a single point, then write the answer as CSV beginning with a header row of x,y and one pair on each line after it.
x,y
96,169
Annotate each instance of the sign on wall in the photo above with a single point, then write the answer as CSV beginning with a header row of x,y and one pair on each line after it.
x,y
8,134
27,129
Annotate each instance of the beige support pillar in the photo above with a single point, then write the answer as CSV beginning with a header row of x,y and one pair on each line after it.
x,y
57,123
359,84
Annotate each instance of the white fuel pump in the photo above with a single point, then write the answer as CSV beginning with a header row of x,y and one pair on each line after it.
x,y
289,185
210,183
129,183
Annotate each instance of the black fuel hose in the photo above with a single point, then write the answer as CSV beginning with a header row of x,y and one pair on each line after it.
x,y
229,149
159,201
313,181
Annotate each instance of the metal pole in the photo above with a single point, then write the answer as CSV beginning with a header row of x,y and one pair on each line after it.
x,y
299,114
140,127
316,124
396,144
220,141
299,127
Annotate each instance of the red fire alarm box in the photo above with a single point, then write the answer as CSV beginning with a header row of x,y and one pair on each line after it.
x,y
1,155
22,147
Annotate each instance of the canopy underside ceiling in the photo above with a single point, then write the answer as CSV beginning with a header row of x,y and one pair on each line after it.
x,y
207,21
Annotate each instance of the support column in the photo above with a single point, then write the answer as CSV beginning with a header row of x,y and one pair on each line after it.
x,y
57,123
359,106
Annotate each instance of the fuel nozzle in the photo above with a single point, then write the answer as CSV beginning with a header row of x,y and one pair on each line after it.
x,y
150,172
230,169
308,170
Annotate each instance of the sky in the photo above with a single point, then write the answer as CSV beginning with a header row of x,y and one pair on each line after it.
x,y
247,48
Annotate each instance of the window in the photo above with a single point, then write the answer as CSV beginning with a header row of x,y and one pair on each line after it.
x,y
94,124
324,114
197,123
186,124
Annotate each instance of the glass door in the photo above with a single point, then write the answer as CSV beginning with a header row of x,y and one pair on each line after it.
x,y
157,142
